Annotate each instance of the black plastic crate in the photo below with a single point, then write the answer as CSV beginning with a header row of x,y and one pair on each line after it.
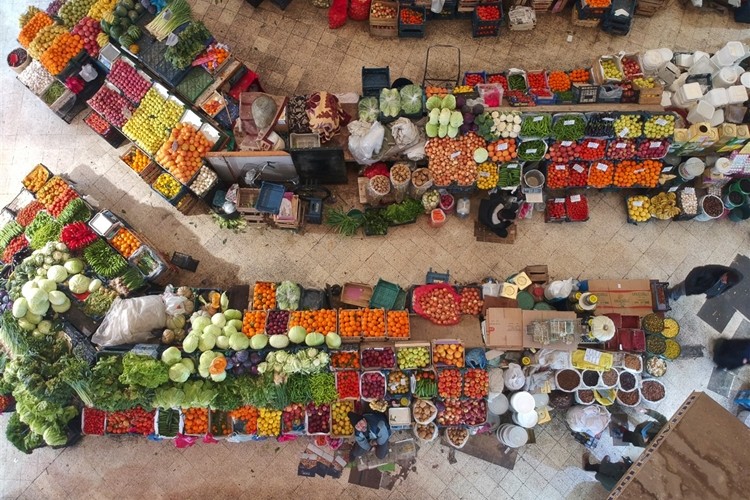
x,y
584,93
448,12
412,30
281,4
375,79
480,28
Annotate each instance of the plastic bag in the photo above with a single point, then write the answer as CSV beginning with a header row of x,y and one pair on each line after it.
x,y
337,14
174,304
558,290
555,360
535,382
288,295
359,10
589,419
437,6
404,132
497,381
364,146
514,378
416,152
130,321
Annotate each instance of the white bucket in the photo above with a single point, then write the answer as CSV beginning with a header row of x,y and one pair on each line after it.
x,y
702,215
690,92
541,400
722,58
691,168
666,53
722,166
677,84
522,402
745,79
701,112
737,94
528,419
726,77
512,436
498,404
652,60
718,118
684,60
701,64
717,97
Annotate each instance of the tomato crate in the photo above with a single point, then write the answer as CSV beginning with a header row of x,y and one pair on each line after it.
x,y
482,28
384,27
412,30
588,12
448,12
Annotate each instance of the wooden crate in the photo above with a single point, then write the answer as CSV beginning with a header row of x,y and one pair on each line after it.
x,y
150,173
649,7
190,204
385,27
649,95
298,208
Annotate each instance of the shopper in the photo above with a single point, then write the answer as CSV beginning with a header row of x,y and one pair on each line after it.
x,y
646,431
370,430
712,280
731,353
607,473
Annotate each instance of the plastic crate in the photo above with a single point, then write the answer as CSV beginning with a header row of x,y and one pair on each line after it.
x,y
412,30
585,93
448,12
269,198
482,28
384,295
578,20
375,79
588,12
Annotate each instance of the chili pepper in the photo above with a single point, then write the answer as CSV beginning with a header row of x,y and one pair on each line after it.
x,y
517,82
536,125
568,127
532,150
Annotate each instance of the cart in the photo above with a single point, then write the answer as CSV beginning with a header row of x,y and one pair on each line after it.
x,y
440,75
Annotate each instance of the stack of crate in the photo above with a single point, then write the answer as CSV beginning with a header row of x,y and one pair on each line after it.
x,y
649,7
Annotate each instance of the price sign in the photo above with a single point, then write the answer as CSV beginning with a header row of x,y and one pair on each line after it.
x,y
638,171
578,168
484,174
655,144
175,146
126,113
638,203
602,167
624,131
608,119
512,165
530,151
559,200
621,145
502,147
172,40
593,145
538,118
569,122
575,198
667,169
689,190
566,144
455,154
661,122
559,167
674,188
592,356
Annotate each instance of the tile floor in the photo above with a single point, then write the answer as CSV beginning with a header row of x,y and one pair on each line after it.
x,y
294,51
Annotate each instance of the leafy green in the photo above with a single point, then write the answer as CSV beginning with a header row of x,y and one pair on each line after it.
x,y
192,42
198,393
401,213
229,394
19,434
346,223
143,371
109,393
169,397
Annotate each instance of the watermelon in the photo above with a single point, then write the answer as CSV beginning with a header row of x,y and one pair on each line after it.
x,y
105,26
115,31
121,10
135,32
125,40
133,15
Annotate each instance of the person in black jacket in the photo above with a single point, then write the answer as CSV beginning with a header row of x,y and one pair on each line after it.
x,y
711,280
370,430
731,353
607,473
645,431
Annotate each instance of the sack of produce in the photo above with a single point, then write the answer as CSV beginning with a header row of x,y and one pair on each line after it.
x,y
130,321
337,14
365,141
514,377
497,381
359,10
589,419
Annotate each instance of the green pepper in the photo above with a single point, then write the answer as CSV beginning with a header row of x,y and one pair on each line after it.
x,y
568,127
536,125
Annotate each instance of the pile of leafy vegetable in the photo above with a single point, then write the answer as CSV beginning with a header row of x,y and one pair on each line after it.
x,y
375,223
288,295
404,212
109,394
368,109
19,434
192,42
143,371
346,223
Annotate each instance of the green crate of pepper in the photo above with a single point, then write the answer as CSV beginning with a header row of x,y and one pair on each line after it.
x,y
568,127
532,150
517,81
536,125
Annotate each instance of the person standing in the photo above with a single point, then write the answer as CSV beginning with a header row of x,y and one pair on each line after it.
x,y
712,280
731,353
645,431
370,430
607,473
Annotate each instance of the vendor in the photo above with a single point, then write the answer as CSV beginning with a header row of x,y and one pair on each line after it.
x,y
646,431
607,473
731,353
711,280
370,430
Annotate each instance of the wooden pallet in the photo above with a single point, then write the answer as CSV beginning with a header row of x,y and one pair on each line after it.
x,y
481,233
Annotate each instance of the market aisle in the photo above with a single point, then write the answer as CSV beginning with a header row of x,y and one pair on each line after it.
x,y
295,52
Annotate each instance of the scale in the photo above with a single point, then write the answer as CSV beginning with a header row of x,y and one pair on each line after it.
x,y
533,186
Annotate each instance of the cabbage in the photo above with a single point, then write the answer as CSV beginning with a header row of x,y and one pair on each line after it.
x,y
28,288
449,101
54,436
445,117
38,301
457,119
452,132
178,373
21,307
220,377
259,341
390,102
333,340
57,273
442,131
222,342
213,330
236,323
32,318
434,102
47,285
434,116
431,129
190,344
200,322
171,356
62,307
188,364
44,326
229,330
79,283
238,341
95,285
411,99
263,367
207,341
232,314
73,266
287,296
26,325
368,109
279,341
219,320
56,298
297,334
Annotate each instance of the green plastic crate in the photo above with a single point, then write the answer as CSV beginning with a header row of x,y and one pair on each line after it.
x,y
384,295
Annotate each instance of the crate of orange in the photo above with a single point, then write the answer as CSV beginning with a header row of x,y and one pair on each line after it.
x,y
347,358
601,174
59,54
322,320
35,25
253,322
350,324
245,420
264,295
502,150
397,325
448,352
136,159
196,421
558,81
125,242
373,324
36,178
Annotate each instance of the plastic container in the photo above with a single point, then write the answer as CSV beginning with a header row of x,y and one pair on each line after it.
x,y
522,402
737,94
533,179
691,168
527,419
270,198
725,77
498,404
512,436
701,112
437,218
706,216
717,118
717,97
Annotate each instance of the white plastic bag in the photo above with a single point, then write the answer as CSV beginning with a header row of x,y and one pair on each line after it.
x,y
589,419
514,378
497,382
404,132
553,359
130,321
174,304
416,153
365,140
559,289
437,6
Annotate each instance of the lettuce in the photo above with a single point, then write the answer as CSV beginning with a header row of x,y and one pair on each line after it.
x,y
368,112
143,371
411,99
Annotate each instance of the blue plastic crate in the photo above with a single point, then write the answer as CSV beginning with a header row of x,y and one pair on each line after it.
x,y
448,12
270,198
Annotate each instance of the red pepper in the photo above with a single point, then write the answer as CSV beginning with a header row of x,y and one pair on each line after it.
x,y
93,421
77,235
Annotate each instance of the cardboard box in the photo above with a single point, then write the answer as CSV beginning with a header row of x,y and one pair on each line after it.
x,y
624,296
529,316
504,328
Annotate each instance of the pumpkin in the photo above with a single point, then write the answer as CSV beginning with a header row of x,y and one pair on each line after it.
x,y
218,365
134,49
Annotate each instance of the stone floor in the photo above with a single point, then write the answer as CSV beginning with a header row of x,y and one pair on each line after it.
x,y
294,51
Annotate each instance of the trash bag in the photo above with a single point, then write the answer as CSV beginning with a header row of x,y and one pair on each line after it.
x,y
130,321
337,14
589,419
558,290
